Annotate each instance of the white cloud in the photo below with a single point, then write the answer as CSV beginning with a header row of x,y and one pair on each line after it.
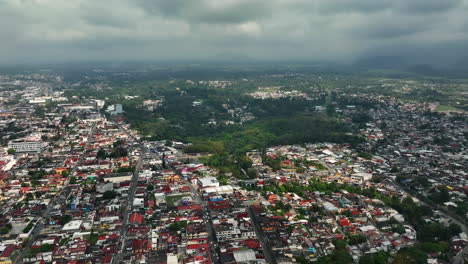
x,y
250,28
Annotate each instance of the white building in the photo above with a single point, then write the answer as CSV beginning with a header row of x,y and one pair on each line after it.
x,y
361,177
208,182
115,109
23,145
118,177
225,189
72,225
245,256
171,259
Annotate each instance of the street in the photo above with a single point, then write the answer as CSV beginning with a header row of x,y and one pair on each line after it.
x,y
129,208
56,200
261,237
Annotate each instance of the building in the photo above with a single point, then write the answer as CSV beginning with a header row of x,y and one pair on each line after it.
x,y
118,177
208,182
24,145
8,253
225,189
72,226
171,259
245,256
115,109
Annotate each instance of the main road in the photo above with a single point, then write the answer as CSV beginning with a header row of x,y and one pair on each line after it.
x,y
58,199
463,254
212,242
131,196
269,257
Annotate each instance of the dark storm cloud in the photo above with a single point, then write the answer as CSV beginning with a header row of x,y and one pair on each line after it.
x,y
393,31
427,6
346,6
198,29
226,11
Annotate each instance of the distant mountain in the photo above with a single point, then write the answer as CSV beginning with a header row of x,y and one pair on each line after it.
x,y
382,62
400,66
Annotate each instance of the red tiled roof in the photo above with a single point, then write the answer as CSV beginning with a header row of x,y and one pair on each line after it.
x,y
8,251
192,207
135,217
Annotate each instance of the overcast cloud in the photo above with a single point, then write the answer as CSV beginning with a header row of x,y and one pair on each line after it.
x,y
61,30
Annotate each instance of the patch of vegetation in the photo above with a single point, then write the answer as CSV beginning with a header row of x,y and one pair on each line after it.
x,y
443,108
177,226
108,195
28,227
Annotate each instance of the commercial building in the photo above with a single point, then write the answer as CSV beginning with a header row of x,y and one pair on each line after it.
x,y
23,145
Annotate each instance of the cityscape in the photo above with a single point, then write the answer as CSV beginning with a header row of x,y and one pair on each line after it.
x,y
81,183
234,132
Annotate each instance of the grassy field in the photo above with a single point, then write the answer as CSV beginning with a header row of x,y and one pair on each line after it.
x,y
443,108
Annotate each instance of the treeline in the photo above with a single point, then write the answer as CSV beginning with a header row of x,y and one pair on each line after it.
x,y
229,148
275,131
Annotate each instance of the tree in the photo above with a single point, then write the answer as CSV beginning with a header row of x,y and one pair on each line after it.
x,y
11,151
222,180
274,164
177,226
252,173
244,162
398,228
367,259
454,229
29,197
440,196
46,247
330,110
6,228
339,244
93,238
365,155
101,154
65,174
107,195
73,180
355,240
401,259
28,227
65,219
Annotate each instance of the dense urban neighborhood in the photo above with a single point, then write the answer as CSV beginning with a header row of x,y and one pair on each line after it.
x,y
83,178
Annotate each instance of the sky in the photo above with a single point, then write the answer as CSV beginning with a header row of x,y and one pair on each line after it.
x,y
334,30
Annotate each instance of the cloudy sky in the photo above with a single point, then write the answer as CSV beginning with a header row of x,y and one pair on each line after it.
x,y
62,30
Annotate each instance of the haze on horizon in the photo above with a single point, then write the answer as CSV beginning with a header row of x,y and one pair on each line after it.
x,y
426,31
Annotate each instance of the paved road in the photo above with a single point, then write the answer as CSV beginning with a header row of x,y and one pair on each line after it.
x,y
439,208
463,254
211,236
56,200
131,196
269,257
213,245
128,209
